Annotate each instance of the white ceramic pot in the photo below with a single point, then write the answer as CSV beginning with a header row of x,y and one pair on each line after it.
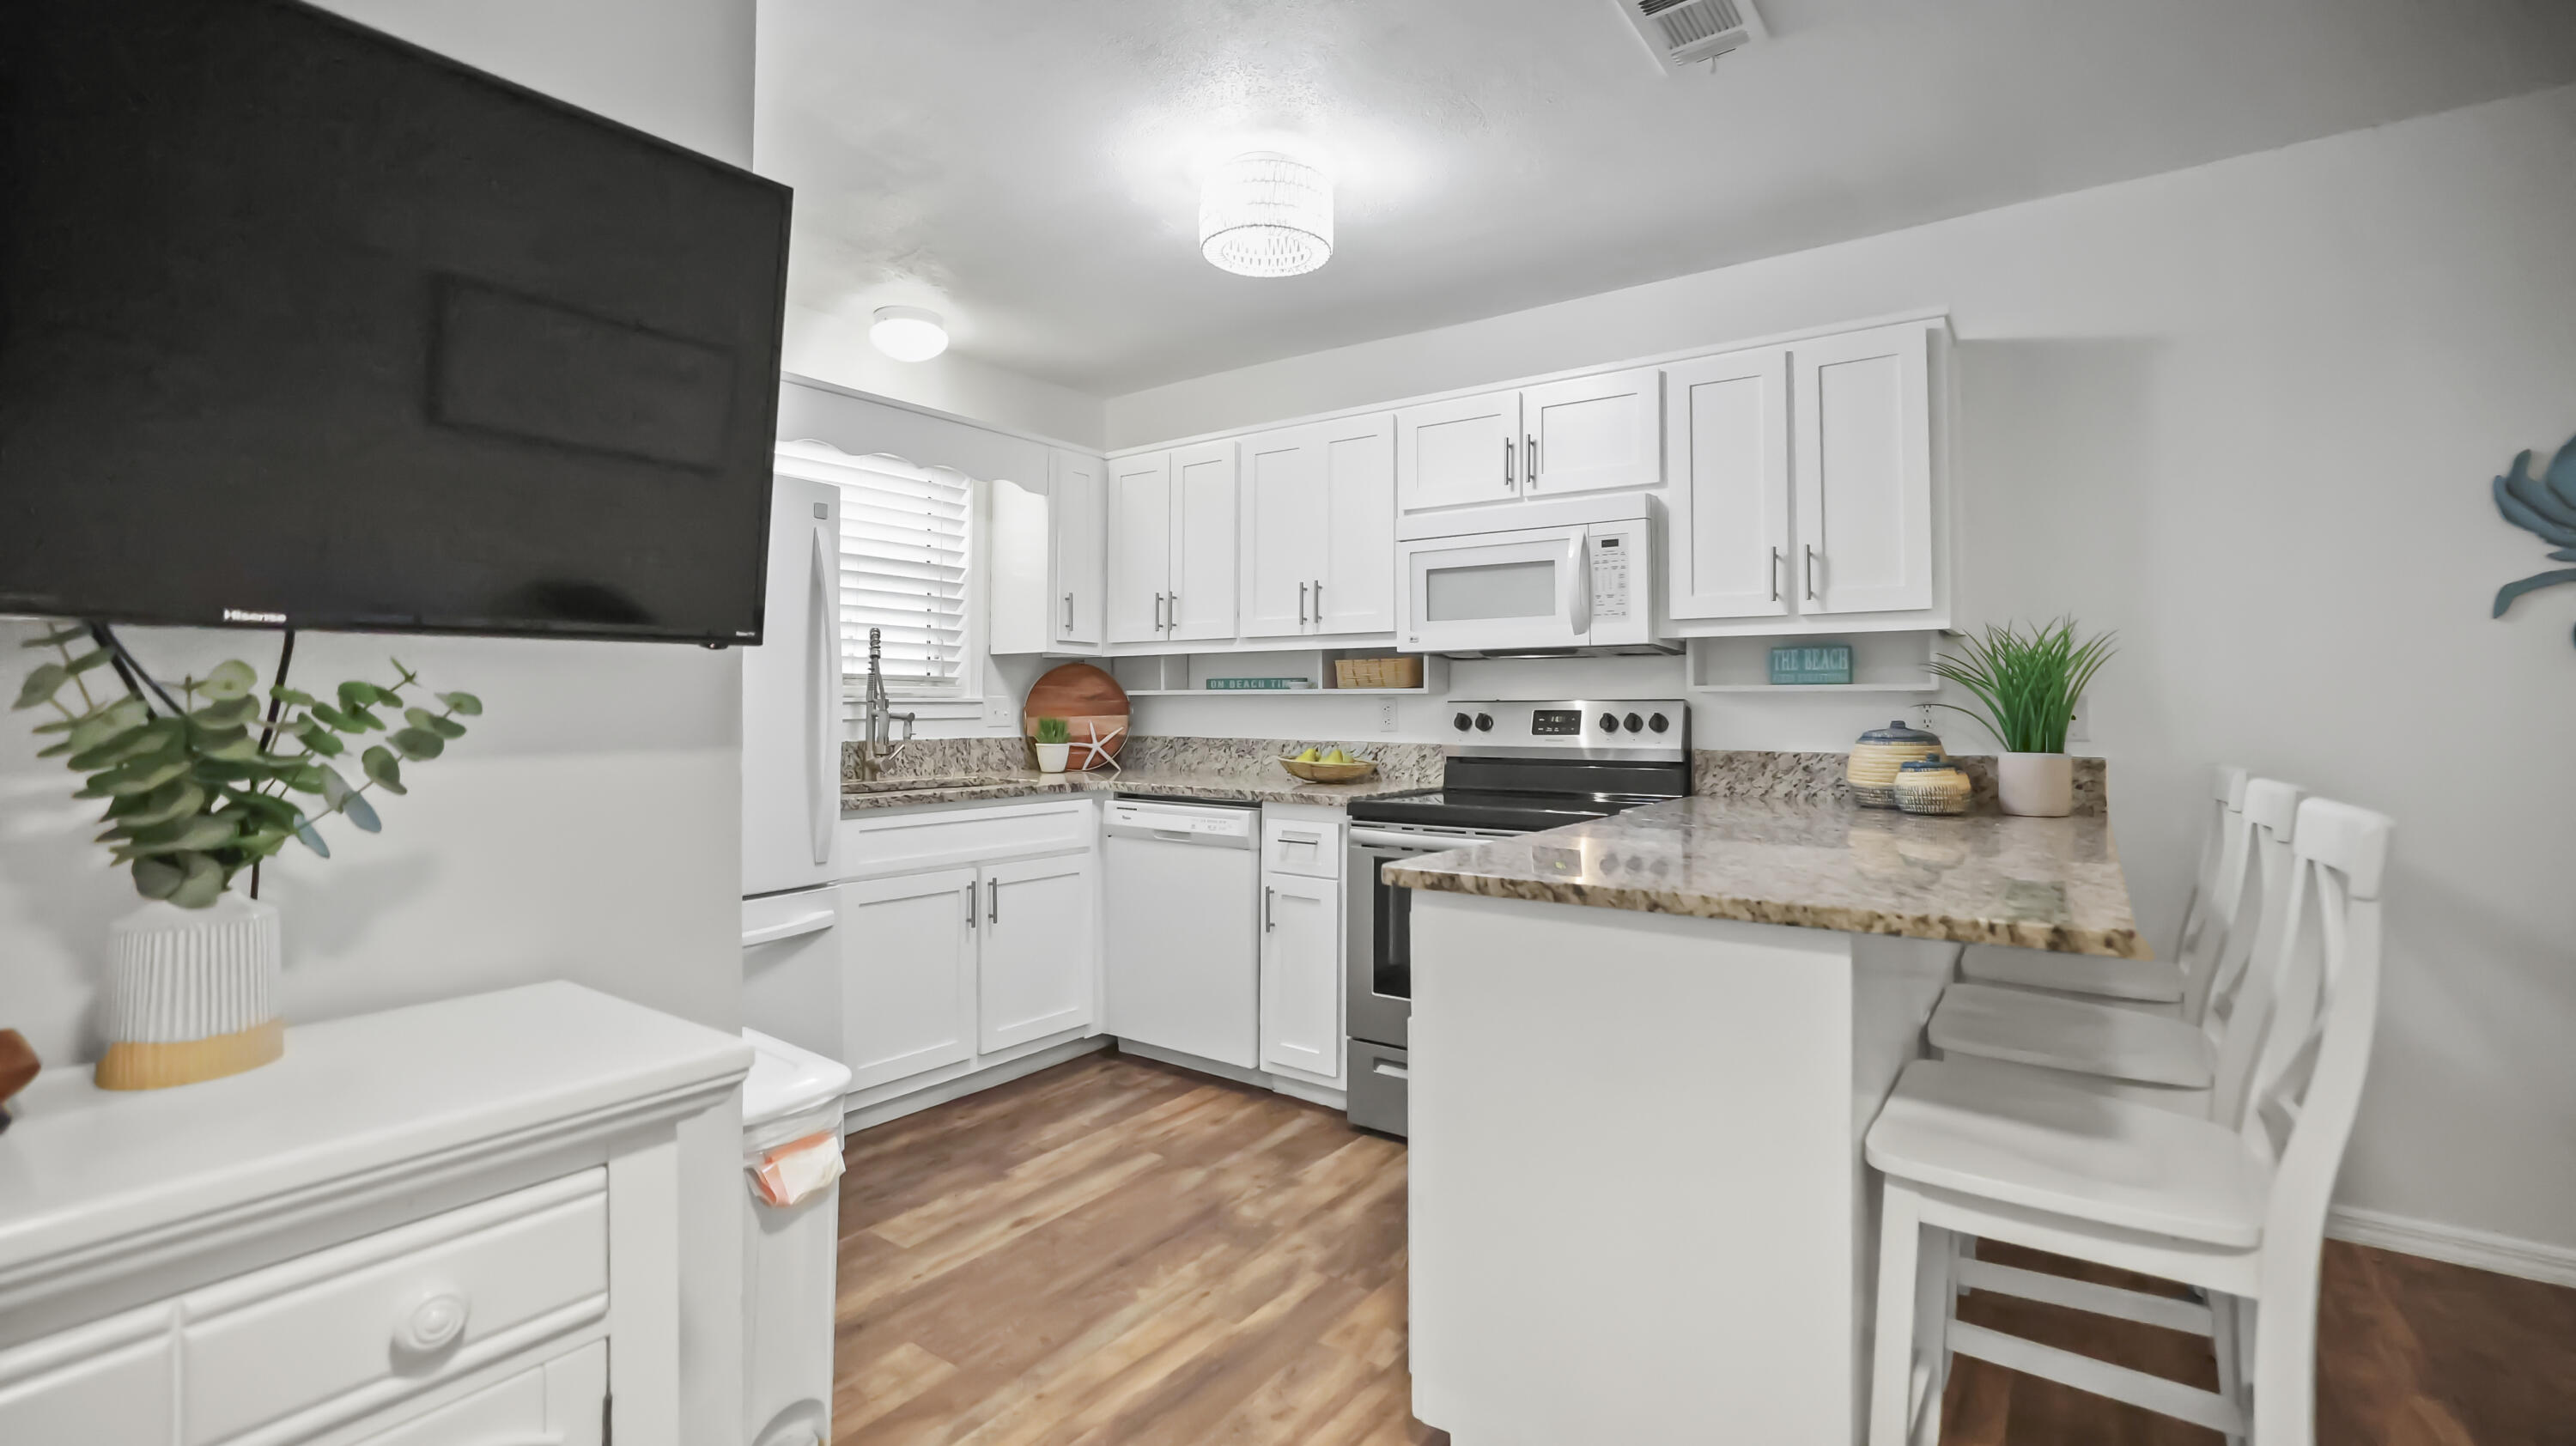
x,y
1051,756
191,994
2036,785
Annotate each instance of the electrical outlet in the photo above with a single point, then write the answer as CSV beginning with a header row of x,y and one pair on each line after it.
x,y
1923,716
1386,715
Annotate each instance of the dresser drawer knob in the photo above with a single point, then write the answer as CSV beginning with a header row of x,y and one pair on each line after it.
x,y
434,1324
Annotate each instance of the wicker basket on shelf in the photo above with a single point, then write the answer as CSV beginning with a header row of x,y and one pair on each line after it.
x,y
1396,672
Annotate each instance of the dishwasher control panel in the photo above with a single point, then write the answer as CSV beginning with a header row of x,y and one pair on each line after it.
x,y
1195,823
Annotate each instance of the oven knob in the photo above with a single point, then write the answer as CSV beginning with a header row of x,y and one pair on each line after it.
x,y
1609,722
1659,723
1484,722
1636,724
1462,722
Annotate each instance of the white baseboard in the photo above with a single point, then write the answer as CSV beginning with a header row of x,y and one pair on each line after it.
x,y
879,1111
1290,1086
2455,1244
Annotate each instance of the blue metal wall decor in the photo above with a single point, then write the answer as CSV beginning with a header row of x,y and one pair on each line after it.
x,y
2544,506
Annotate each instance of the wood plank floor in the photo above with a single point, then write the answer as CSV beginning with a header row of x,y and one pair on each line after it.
x,y
1114,1252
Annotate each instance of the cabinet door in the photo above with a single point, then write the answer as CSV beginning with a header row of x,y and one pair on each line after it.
x,y
1203,502
557,1404
1593,434
1077,506
1287,516
1355,586
1301,975
1035,975
908,974
1727,547
1449,454
1862,408
1140,547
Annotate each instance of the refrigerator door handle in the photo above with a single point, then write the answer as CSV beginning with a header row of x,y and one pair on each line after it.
x,y
822,677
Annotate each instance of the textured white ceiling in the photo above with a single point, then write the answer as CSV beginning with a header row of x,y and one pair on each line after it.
x,y
1025,166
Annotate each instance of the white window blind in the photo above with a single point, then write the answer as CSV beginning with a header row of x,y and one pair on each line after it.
x,y
904,554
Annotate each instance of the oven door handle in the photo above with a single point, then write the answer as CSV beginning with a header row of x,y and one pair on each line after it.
x,y
1414,843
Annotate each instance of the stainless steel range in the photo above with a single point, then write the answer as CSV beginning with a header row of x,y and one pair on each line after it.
x,y
1517,767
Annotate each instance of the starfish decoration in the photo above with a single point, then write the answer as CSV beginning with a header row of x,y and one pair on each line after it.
x,y
2544,506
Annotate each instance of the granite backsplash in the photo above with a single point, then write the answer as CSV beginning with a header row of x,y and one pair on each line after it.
x,y
1414,764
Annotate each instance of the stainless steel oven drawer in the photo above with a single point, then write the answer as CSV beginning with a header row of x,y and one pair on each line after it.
x,y
1377,1093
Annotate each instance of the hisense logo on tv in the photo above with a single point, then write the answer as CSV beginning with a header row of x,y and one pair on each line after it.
x,y
243,615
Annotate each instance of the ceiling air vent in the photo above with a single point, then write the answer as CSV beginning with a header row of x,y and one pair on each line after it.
x,y
1686,32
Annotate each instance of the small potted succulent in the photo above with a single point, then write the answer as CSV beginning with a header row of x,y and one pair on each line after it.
x,y
203,780
1054,744
2029,683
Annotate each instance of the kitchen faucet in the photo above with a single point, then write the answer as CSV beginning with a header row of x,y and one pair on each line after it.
x,y
876,741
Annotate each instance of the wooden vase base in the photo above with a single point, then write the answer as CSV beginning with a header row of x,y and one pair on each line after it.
x,y
136,1066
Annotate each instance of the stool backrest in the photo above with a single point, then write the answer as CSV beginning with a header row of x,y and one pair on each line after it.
x,y
2237,998
2218,886
2307,1084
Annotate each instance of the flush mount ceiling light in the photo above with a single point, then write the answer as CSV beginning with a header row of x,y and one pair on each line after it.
x,y
908,333
1266,213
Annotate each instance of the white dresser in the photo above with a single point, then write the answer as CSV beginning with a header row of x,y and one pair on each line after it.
x,y
454,1224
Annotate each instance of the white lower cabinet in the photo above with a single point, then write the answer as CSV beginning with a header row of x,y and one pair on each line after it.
x,y
1033,977
557,1404
908,973
1301,975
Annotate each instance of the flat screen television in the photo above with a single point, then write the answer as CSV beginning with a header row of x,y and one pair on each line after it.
x,y
302,325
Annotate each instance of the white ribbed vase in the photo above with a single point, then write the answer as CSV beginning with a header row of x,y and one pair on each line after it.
x,y
191,993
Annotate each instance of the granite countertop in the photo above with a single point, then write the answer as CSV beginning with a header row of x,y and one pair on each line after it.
x,y
1267,784
1979,878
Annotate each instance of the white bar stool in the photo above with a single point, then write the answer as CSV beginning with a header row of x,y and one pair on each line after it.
x,y
2235,1205
2176,1059
2151,984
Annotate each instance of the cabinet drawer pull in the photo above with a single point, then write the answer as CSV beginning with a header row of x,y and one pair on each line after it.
x,y
434,1323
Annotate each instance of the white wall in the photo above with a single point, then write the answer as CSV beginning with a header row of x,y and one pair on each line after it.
x,y
832,346
2246,414
586,829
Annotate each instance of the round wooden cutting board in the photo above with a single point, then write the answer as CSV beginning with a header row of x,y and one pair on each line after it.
x,y
1089,701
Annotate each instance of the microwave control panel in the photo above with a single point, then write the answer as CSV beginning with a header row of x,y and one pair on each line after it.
x,y
1610,574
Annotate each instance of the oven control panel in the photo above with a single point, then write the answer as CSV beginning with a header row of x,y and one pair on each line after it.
x,y
1636,726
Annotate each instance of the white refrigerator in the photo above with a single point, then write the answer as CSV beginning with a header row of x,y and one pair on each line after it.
x,y
791,777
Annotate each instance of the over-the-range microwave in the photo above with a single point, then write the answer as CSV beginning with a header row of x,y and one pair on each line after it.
x,y
1569,575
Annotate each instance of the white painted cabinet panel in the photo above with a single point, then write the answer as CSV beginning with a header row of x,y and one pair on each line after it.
x,y
1202,532
1355,589
79,1387
1077,489
556,1404
1727,546
1457,452
1301,976
1593,434
1286,516
1034,977
1861,405
908,973
1139,547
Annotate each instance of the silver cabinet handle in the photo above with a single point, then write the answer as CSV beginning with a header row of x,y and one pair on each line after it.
x,y
1529,459
1319,602
1811,572
1301,604
993,891
1507,464
1158,612
970,904
1775,574
1266,896
1175,624
1068,612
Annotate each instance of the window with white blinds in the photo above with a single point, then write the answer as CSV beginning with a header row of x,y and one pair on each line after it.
x,y
905,543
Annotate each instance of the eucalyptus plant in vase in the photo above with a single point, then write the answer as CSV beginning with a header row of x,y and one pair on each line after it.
x,y
202,782
2028,684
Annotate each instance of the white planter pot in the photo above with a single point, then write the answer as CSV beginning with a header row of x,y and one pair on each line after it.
x,y
191,994
1052,756
2036,785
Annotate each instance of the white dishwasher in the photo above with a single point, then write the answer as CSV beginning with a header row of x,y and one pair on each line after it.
x,y
1184,927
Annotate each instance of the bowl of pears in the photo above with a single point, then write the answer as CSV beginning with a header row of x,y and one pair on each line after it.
x,y
1328,765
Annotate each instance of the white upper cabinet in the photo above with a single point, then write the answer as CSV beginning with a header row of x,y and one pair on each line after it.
x,y
1319,535
1202,565
1727,543
1457,452
1593,434
1077,578
1861,405
1140,548
1805,486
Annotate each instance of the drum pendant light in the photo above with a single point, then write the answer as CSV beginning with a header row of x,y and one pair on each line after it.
x,y
1264,213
